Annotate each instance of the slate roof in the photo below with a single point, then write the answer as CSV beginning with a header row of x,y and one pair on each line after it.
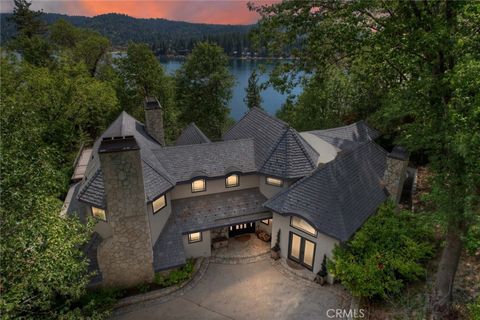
x,y
347,137
203,213
191,135
277,146
157,180
208,159
168,250
219,209
338,197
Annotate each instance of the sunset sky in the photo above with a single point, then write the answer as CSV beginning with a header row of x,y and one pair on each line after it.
x,y
219,12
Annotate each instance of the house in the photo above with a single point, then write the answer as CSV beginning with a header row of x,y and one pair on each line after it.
x,y
158,205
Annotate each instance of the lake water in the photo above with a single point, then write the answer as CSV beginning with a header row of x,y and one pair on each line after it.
x,y
241,69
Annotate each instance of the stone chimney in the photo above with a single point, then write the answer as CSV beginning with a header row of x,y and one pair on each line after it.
x,y
395,172
154,119
126,258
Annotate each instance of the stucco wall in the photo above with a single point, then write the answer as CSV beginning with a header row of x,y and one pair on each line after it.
x,y
262,226
268,190
324,243
103,229
184,190
326,151
158,220
198,249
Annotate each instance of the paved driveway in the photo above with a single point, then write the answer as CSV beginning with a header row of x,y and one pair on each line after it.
x,y
243,291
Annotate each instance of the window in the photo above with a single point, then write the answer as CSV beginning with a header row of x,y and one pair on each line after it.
x,y
274,181
266,221
301,250
159,203
199,185
194,237
232,181
302,225
99,213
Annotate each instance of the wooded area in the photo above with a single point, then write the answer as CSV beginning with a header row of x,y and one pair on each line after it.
x,y
411,69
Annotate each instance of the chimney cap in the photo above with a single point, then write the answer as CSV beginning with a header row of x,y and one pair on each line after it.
x,y
117,144
152,103
399,153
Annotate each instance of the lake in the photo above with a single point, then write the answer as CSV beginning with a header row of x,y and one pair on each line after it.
x,y
241,69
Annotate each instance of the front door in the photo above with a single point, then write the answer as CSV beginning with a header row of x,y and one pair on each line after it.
x,y
241,228
301,250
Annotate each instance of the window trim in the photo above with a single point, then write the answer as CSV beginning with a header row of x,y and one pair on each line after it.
x,y
204,182
97,218
238,180
164,206
274,185
304,231
195,241
302,250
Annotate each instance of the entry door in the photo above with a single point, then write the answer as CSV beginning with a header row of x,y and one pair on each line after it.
x,y
301,250
241,228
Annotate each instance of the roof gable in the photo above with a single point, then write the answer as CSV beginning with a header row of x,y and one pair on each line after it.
x,y
279,149
338,197
191,135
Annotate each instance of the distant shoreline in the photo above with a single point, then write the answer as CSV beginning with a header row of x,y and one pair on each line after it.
x,y
182,57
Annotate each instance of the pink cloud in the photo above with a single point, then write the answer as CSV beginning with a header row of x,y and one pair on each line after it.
x,y
218,12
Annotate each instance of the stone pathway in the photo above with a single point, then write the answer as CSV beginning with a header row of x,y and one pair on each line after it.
x,y
238,247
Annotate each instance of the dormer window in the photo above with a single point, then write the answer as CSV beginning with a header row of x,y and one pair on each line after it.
x,y
159,203
199,185
99,214
274,181
232,180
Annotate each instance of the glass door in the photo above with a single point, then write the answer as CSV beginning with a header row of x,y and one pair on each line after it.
x,y
301,250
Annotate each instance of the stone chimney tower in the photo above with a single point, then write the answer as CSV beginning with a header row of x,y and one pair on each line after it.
x,y
154,119
126,258
395,172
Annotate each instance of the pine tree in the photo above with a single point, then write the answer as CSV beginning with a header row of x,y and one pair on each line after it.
x,y
253,98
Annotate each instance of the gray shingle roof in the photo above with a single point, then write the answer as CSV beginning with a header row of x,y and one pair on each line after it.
x,y
275,145
219,209
339,196
208,159
168,250
191,135
157,179
347,137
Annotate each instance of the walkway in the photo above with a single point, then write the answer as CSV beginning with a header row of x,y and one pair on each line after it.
x,y
259,290
246,245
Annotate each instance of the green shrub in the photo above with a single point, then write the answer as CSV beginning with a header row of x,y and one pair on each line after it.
x,y
474,309
386,253
176,276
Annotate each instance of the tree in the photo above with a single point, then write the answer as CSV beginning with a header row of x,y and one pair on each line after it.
x,y
253,98
204,87
29,40
387,253
414,54
140,75
42,269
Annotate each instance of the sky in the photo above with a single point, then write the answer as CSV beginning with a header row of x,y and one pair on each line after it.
x,y
213,11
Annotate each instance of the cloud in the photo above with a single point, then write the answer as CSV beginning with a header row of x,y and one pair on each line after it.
x,y
218,12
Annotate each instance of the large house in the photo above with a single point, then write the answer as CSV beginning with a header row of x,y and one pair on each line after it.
x,y
158,205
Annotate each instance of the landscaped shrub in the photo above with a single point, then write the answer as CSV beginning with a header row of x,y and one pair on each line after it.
x,y
177,276
387,252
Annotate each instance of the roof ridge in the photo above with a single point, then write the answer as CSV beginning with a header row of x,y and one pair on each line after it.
x,y
297,137
203,144
272,150
158,172
255,109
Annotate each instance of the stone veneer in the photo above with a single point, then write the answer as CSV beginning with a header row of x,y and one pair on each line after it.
x,y
126,258
219,233
395,176
154,119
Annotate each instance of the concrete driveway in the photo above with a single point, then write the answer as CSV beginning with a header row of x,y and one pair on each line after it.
x,y
243,291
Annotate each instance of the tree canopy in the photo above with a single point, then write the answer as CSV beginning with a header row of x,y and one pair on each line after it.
x,y
204,87
414,54
253,98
